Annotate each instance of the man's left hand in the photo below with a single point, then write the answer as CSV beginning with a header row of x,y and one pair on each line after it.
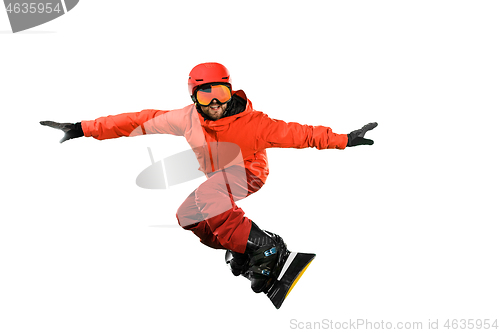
x,y
356,138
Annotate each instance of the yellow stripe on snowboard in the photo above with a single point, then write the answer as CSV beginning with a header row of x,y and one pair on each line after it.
x,y
297,279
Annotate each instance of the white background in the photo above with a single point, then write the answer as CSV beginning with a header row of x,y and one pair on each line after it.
x,y
404,230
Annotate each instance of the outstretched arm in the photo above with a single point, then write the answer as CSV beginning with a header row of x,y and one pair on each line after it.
x,y
277,133
125,124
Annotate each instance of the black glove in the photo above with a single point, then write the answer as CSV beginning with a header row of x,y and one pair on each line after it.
x,y
71,131
356,138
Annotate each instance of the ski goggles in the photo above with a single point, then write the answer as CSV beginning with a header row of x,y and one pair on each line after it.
x,y
205,94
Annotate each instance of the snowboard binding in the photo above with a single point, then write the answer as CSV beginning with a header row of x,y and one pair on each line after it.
x,y
272,269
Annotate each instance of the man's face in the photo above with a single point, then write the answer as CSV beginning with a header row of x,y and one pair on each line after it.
x,y
215,110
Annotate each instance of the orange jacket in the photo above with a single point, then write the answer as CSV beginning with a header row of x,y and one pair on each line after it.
x,y
252,131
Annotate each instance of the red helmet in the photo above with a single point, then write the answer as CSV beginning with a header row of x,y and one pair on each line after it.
x,y
207,73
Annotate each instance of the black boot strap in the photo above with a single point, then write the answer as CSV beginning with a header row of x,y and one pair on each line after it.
x,y
263,253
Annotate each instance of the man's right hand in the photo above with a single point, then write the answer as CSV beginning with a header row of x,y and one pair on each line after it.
x,y
71,131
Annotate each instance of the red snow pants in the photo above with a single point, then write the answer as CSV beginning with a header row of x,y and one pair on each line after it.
x,y
210,211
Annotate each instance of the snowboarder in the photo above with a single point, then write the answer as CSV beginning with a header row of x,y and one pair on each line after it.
x,y
229,139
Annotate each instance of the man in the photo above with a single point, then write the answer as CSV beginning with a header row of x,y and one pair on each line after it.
x,y
229,139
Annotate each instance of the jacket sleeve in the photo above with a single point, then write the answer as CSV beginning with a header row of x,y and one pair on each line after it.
x,y
135,123
277,133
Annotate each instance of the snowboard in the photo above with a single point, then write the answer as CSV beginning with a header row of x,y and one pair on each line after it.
x,y
291,272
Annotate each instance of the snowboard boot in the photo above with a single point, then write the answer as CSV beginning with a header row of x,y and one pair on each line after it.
x,y
264,256
269,265
238,262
